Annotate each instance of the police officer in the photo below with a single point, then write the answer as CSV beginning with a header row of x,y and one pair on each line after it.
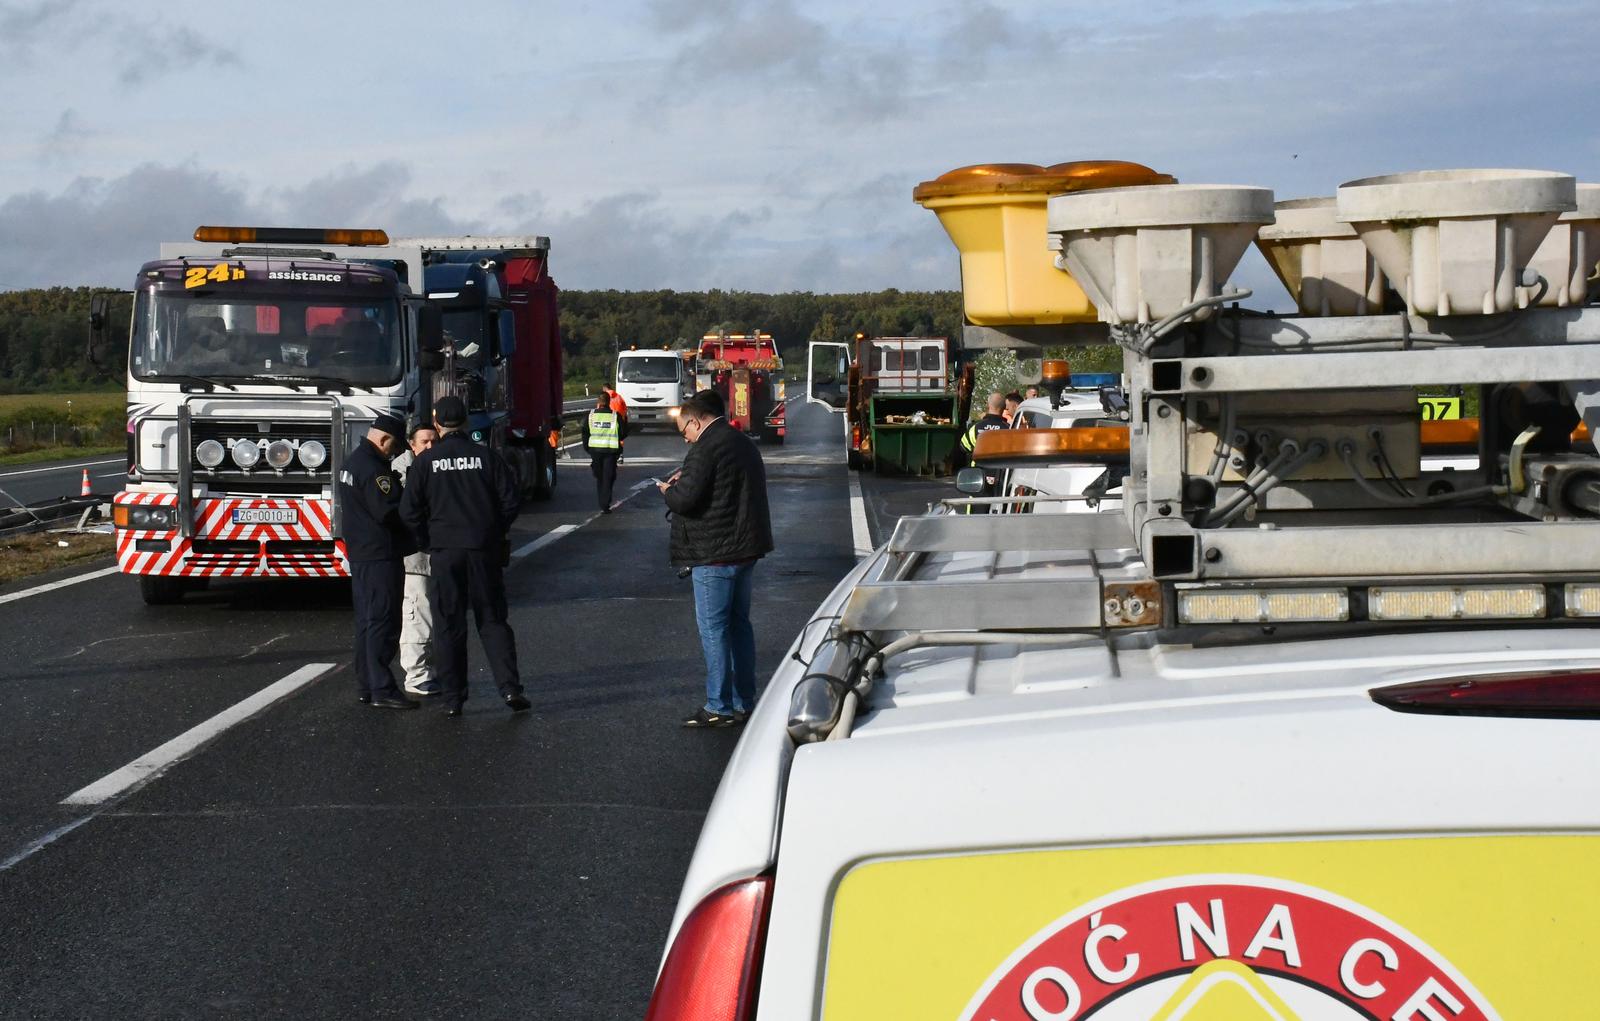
x,y
375,543
994,418
459,502
603,433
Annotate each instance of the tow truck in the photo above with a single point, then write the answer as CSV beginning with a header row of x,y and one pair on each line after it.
x,y
747,371
1305,730
258,357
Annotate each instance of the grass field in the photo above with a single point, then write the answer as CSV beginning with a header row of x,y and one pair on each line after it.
x,y
41,426
24,555
82,403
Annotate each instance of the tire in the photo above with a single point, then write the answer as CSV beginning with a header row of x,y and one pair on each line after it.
x,y
853,457
157,590
544,472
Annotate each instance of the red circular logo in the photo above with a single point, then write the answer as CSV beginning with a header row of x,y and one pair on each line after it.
x,y
1226,948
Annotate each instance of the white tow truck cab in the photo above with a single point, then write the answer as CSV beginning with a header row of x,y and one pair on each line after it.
x,y
1308,729
651,381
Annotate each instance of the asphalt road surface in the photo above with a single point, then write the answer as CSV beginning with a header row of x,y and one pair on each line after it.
x,y
302,855
51,480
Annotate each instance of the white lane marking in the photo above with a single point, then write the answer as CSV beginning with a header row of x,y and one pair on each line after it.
x,y
546,539
43,842
63,583
858,517
77,466
860,534
560,532
152,764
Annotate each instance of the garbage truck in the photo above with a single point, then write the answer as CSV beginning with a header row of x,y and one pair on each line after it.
x,y
903,410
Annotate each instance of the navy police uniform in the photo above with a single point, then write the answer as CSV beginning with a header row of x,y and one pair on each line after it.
x,y
375,544
969,442
460,500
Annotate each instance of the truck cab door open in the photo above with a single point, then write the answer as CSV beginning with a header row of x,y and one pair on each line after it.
x,y
828,375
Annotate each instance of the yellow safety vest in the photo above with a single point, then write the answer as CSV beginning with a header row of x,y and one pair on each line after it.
x,y
969,439
603,434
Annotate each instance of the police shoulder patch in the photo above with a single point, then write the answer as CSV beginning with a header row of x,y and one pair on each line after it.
x,y
385,484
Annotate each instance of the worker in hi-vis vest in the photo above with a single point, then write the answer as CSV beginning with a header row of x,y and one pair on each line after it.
x,y
993,418
603,433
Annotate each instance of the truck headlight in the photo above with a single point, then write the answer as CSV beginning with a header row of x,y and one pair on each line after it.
x,y
152,517
280,454
209,453
246,454
313,454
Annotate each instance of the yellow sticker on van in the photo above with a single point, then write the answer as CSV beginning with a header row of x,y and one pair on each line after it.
x,y
1415,929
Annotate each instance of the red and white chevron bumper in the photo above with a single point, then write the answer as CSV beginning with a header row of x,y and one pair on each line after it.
x,y
234,537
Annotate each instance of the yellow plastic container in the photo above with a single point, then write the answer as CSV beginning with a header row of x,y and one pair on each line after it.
x,y
996,215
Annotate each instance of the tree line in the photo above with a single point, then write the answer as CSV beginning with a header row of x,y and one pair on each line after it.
x,y
43,331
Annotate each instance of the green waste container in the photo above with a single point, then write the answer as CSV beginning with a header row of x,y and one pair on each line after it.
x,y
904,448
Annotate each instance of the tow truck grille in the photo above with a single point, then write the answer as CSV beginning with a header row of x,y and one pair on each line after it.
x,y
227,477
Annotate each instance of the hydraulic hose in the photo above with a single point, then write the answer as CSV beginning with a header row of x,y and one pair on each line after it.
x,y
1347,454
1287,450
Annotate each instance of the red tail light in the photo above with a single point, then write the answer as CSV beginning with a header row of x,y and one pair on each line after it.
x,y
714,965
1570,695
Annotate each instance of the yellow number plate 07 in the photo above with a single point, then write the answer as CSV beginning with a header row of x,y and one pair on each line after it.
x,y
1436,409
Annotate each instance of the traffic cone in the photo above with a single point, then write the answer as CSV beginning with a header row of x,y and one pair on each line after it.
x,y
84,489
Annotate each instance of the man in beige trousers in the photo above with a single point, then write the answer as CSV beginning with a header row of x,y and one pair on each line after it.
x,y
421,600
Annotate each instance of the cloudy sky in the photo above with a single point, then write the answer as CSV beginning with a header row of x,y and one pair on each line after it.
x,y
752,144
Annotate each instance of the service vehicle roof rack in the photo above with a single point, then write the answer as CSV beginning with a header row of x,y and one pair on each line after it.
x,y
1280,470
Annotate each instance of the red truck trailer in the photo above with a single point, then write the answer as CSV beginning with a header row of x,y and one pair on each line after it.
x,y
503,355
746,370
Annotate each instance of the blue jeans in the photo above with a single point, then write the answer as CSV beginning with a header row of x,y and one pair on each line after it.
x,y
722,612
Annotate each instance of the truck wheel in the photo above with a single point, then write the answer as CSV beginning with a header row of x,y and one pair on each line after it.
x,y
160,591
773,436
544,472
854,459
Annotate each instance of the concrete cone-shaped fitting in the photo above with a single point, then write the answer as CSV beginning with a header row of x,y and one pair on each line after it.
x,y
1455,241
1321,261
1569,254
1142,254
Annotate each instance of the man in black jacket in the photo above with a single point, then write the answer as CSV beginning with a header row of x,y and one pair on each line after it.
x,y
375,543
460,501
720,528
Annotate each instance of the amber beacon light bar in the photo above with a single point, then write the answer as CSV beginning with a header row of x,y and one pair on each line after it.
x,y
292,235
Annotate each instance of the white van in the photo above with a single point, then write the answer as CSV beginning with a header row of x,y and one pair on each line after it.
x,y
651,381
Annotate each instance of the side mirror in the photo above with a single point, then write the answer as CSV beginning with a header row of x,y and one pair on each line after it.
x,y
970,481
99,327
430,328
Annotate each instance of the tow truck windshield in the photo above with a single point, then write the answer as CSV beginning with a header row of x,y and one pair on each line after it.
x,y
265,338
648,369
